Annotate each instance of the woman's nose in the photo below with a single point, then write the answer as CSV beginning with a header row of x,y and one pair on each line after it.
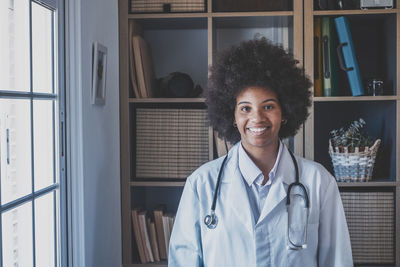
x,y
257,115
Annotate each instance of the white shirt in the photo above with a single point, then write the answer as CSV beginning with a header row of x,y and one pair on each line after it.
x,y
253,177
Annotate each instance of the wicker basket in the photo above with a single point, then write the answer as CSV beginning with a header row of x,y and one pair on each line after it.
x,y
356,166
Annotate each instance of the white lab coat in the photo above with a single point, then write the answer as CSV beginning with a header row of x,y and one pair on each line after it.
x,y
240,241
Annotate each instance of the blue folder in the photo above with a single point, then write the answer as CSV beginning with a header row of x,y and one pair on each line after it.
x,y
347,56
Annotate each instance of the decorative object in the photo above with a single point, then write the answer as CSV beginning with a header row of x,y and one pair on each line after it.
x,y
99,71
353,153
375,87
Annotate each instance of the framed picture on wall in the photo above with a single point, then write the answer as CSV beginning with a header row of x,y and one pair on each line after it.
x,y
99,71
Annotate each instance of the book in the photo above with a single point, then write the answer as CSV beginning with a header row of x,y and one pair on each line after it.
x,y
144,67
132,70
137,234
167,233
153,239
145,234
318,85
348,57
329,66
158,214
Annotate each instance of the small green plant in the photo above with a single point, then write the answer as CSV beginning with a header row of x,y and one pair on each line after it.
x,y
353,136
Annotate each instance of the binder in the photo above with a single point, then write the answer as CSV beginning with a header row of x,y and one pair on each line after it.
x,y
347,56
329,66
318,86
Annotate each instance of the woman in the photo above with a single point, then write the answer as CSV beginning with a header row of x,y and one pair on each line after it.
x,y
256,96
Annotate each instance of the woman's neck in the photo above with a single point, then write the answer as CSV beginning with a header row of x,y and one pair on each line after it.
x,y
264,157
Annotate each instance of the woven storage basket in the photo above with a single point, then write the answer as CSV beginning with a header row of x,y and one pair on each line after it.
x,y
353,167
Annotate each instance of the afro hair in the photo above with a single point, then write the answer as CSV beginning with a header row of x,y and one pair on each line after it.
x,y
259,63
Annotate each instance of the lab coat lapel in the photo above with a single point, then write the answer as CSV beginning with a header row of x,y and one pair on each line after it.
x,y
237,193
285,175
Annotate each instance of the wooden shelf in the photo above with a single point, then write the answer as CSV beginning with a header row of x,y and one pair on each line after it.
x,y
211,15
353,98
168,15
367,184
354,12
158,183
253,14
166,100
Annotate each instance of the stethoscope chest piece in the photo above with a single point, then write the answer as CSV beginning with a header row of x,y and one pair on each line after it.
x,y
211,220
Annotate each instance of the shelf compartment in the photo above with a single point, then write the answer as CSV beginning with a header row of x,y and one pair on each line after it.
x,y
149,198
177,45
380,117
228,31
370,214
169,140
160,7
374,39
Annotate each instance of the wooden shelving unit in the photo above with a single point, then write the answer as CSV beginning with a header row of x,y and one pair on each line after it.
x,y
386,107
213,30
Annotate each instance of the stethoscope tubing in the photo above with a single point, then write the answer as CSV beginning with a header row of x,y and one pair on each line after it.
x,y
211,220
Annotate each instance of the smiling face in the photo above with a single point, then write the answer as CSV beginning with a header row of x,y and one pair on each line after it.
x,y
258,117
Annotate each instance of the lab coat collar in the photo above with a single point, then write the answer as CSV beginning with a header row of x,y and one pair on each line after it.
x,y
285,175
237,192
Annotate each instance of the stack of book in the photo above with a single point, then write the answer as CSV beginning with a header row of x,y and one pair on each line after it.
x,y
170,143
157,6
334,51
152,236
370,218
142,75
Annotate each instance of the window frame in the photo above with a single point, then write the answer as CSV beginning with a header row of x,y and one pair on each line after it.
x,y
58,187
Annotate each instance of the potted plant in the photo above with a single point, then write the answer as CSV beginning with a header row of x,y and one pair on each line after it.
x,y
353,152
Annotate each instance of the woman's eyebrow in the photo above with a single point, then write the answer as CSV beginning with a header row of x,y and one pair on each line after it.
x,y
270,99
266,100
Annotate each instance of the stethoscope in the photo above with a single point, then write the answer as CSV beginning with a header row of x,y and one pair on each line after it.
x,y
211,220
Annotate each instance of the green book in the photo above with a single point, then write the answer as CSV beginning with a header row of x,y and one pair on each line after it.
x,y
329,58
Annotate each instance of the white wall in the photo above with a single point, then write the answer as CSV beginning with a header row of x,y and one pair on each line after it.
x,y
100,138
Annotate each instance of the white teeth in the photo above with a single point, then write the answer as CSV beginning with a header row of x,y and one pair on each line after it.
x,y
257,130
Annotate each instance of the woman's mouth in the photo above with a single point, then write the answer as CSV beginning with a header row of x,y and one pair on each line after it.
x,y
258,130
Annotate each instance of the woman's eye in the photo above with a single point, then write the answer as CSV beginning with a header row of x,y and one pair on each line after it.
x,y
269,107
244,109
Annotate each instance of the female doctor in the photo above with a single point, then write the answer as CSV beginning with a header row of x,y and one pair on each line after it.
x,y
270,209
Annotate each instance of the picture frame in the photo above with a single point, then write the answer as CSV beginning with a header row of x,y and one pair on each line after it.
x,y
99,73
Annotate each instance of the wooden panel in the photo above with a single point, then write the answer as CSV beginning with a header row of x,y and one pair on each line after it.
x,y
309,69
124,132
353,12
354,98
298,54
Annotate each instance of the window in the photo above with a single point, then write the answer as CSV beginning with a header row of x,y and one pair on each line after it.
x,y
31,129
